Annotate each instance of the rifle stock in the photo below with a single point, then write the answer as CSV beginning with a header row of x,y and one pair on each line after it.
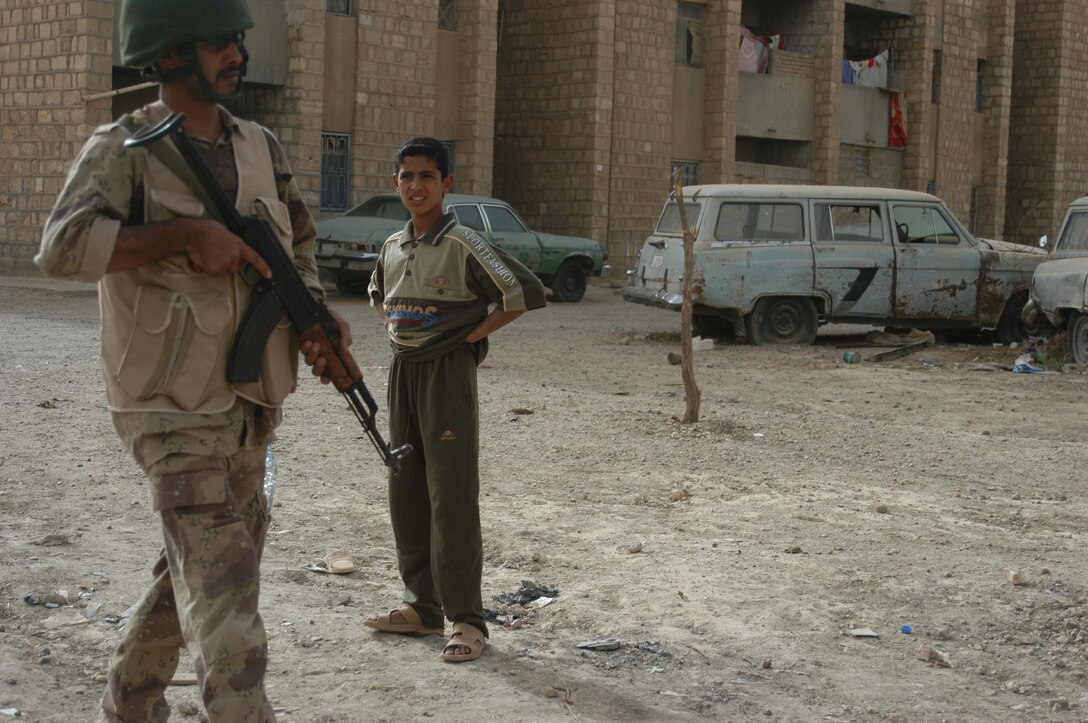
x,y
284,293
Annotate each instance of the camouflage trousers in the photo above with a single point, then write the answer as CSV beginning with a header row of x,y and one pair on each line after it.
x,y
206,475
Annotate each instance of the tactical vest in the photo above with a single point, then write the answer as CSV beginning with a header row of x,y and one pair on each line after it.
x,y
167,329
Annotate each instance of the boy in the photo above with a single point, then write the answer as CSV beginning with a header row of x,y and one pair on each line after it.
x,y
433,285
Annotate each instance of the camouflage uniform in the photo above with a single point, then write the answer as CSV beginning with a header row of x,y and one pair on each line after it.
x,y
201,441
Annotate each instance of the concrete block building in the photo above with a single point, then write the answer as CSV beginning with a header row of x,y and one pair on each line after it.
x,y
576,111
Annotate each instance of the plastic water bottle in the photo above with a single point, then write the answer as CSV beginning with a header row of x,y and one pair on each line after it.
x,y
269,477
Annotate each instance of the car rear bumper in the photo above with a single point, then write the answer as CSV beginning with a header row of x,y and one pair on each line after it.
x,y
640,295
343,260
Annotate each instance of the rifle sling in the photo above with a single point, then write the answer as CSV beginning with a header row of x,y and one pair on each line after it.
x,y
171,158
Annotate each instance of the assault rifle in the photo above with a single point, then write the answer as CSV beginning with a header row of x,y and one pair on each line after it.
x,y
284,293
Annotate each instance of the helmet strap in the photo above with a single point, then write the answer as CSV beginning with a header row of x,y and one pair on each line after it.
x,y
191,66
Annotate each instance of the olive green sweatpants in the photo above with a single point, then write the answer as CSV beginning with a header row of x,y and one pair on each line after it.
x,y
434,500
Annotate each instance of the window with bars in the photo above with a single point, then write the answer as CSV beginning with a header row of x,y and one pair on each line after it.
x,y
689,35
335,171
689,172
447,14
338,7
449,150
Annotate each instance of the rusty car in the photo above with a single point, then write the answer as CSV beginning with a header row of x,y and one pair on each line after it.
x,y
774,262
347,245
1059,288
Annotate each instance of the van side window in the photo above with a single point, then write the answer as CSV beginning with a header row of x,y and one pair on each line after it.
x,y
923,225
1075,235
843,223
760,222
670,217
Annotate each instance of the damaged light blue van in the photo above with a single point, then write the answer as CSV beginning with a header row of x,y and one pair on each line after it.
x,y
773,262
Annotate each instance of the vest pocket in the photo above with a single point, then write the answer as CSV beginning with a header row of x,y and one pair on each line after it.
x,y
176,347
276,213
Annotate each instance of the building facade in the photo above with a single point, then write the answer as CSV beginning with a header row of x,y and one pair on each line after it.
x,y
576,111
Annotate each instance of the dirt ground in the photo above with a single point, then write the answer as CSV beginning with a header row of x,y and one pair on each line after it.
x,y
729,558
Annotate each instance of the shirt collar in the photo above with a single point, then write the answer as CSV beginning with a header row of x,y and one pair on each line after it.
x,y
434,234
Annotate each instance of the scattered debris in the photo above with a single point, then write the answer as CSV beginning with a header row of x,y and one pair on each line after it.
x,y
933,656
1014,577
600,645
528,592
899,351
52,540
863,633
881,509
793,550
678,495
48,599
1025,365
521,410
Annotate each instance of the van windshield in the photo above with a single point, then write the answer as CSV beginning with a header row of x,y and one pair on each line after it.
x,y
1075,237
670,219
760,221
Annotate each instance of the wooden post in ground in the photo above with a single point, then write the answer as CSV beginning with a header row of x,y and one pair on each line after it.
x,y
687,370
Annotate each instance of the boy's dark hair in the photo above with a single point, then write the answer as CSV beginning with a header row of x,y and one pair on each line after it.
x,y
432,148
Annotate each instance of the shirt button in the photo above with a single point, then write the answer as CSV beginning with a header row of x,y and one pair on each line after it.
x,y
411,257
408,272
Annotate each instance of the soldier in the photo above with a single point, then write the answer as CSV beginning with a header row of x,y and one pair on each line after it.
x,y
171,297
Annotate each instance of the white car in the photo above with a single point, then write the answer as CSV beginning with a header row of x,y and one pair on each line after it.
x,y
1058,288
774,262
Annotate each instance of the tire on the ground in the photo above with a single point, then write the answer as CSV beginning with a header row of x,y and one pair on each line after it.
x,y
569,282
1076,338
1011,328
782,320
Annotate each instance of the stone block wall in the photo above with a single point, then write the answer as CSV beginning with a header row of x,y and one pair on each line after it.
x,y
554,124
722,90
640,169
395,91
477,27
1047,165
52,55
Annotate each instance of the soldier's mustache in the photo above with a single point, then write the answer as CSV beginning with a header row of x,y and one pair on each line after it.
x,y
228,70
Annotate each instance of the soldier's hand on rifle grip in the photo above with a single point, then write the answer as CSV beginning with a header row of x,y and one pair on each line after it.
x,y
311,350
213,249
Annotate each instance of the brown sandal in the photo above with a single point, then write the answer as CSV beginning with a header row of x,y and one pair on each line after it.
x,y
409,623
464,636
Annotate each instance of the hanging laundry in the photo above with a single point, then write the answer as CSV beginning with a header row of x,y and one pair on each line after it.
x,y
897,123
873,73
753,52
847,72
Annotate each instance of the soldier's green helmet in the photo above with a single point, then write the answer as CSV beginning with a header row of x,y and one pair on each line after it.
x,y
148,28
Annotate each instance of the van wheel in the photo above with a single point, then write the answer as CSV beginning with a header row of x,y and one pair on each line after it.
x,y
782,320
569,283
1076,338
1011,327
710,326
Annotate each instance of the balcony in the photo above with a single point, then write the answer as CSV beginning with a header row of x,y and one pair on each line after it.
x,y
898,8
775,107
